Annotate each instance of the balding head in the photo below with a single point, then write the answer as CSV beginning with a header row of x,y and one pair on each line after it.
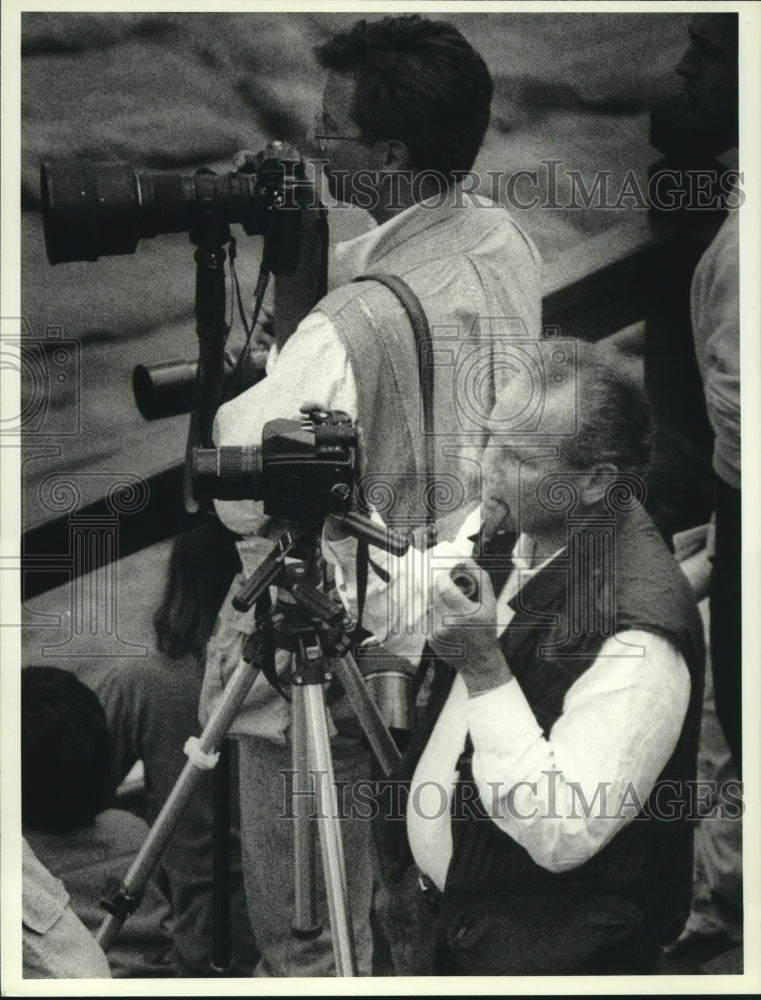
x,y
600,414
594,427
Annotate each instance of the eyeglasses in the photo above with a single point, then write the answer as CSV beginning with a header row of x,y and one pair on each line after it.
x,y
322,137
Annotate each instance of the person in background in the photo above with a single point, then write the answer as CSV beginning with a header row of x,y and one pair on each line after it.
x,y
151,706
202,563
55,944
709,70
66,789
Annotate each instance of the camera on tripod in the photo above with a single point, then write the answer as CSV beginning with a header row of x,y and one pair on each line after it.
x,y
93,210
300,466
303,471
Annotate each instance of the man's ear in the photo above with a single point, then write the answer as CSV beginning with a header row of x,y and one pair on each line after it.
x,y
595,482
396,155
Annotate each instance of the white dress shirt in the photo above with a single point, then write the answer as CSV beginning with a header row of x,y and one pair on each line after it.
x,y
561,798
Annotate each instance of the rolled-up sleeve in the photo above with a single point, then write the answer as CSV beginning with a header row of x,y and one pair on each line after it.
x,y
564,797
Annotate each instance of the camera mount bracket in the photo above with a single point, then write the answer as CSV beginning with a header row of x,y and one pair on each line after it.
x,y
210,238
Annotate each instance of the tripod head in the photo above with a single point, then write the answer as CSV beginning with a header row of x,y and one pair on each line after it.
x,y
300,544
292,566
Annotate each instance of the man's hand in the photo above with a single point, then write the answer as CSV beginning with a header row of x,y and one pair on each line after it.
x,y
464,632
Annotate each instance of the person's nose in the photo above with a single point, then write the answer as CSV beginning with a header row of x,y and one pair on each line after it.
x,y
688,66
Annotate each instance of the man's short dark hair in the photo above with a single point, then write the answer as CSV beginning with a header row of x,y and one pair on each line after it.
x,y
418,81
613,415
66,751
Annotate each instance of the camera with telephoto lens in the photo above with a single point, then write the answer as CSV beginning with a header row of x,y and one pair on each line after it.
x,y
300,466
92,210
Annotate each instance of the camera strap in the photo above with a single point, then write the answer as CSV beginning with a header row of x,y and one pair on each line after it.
x,y
422,332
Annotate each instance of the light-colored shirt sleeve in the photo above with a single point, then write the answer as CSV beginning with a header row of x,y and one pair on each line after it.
x,y
563,798
312,366
55,942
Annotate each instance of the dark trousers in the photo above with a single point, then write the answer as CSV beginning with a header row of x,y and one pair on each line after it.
x,y
509,934
726,618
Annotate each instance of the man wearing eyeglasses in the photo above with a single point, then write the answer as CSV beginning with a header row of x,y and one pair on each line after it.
x,y
404,112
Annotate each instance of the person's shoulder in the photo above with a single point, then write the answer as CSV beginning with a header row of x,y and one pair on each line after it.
x,y
55,942
639,539
491,219
43,897
362,300
719,264
644,558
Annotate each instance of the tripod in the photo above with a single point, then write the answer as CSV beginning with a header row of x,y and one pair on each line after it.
x,y
317,634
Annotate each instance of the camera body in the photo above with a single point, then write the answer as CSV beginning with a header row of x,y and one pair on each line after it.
x,y
91,210
300,467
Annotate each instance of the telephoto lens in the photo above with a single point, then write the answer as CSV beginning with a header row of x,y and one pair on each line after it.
x,y
92,210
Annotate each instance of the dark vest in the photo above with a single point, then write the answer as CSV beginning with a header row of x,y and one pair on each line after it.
x,y
628,580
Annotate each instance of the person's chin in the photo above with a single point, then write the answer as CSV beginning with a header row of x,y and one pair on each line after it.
x,y
692,108
700,112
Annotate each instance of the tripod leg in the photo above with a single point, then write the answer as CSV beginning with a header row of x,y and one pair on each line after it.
x,y
306,923
131,890
350,676
321,765
222,888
